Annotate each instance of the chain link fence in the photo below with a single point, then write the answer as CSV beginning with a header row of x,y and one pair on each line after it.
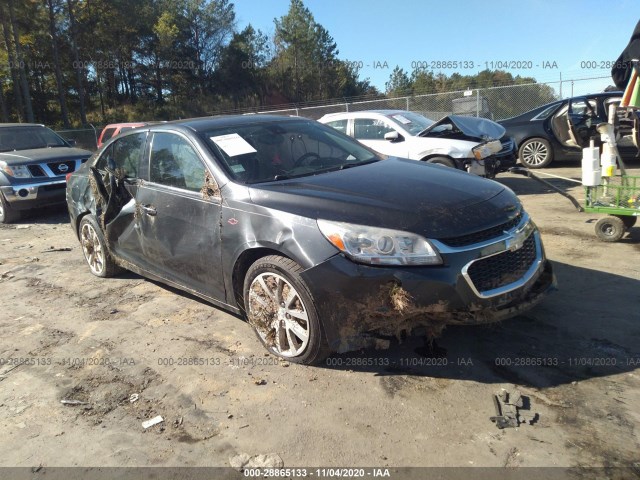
x,y
495,103
86,138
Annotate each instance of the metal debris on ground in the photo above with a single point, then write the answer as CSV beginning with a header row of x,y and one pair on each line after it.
x,y
60,249
512,410
134,397
152,422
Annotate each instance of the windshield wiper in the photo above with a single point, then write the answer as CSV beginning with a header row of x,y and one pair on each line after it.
x,y
364,162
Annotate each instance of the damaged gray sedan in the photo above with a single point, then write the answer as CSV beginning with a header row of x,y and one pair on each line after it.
x,y
318,242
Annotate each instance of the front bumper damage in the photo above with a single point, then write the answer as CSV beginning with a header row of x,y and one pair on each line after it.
x,y
364,306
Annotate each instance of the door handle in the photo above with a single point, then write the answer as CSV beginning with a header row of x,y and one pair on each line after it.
x,y
149,210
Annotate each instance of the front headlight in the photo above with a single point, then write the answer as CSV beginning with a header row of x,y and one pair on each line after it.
x,y
379,246
487,149
16,171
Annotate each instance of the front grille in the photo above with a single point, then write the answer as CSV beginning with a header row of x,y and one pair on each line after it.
x,y
58,169
502,269
483,235
36,171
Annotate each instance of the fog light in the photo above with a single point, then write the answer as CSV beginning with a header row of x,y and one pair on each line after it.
x,y
23,192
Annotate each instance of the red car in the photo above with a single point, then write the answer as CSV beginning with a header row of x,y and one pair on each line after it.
x,y
114,129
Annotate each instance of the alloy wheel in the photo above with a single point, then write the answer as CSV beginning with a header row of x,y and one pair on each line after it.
x,y
279,315
535,153
92,248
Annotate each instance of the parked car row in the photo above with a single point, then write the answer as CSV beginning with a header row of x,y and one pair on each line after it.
x,y
321,243
559,130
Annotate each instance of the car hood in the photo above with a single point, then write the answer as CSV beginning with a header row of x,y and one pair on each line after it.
x,y
430,200
19,157
480,129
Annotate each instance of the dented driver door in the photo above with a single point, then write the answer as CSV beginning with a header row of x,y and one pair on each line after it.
x,y
178,211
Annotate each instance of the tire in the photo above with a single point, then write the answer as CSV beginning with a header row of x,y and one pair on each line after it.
x,y
610,229
447,162
628,221
94,248
292,332
535,153
7,214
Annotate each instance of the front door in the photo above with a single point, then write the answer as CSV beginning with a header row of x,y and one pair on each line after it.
x,y
179,211
371,132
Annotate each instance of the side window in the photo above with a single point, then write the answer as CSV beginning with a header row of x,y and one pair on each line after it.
x,y
105,159
123,155
127,153
370,129
340,125
175,163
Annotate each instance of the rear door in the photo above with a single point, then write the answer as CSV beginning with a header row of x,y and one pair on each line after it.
x,y
179,210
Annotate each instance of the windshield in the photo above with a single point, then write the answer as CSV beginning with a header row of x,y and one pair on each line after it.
x,y
413,123
273,151
25,138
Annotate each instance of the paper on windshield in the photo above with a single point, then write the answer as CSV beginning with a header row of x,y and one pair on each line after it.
x,y
233,144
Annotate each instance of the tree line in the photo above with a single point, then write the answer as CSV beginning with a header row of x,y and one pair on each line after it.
x,y
73,62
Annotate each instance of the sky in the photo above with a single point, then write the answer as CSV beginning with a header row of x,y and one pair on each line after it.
x,y
543,39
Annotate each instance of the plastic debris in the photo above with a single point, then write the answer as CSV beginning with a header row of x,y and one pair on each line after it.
x,y
152,422
134,397
71,402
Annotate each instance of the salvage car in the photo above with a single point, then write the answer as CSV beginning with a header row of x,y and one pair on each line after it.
x,y
322,245
476,145
34,161
561,129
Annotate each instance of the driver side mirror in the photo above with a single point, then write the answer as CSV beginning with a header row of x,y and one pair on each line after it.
x,y
392,136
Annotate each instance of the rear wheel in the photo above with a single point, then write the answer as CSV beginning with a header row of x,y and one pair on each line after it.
x,y
281,310
536,153
7,214
447,162
610,229
95,250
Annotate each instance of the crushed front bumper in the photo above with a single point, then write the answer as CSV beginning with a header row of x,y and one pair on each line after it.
x,y
358,303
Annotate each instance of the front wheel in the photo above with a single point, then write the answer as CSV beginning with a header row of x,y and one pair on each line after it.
x,y
280,308
610,229
536,153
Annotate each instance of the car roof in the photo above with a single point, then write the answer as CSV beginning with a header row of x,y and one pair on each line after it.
x,y
126,124
21,125
385,112
207,123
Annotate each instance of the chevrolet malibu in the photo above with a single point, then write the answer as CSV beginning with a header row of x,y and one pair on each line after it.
x,y
322,245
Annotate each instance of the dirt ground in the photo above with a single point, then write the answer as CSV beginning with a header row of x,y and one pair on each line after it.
x,y
576,358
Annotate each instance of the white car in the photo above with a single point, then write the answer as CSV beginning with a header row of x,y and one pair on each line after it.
x,y
476,145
